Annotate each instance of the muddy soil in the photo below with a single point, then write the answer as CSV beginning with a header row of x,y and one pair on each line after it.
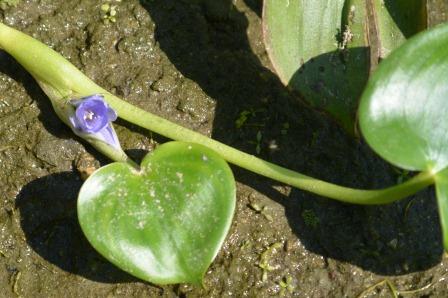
x,y
201,64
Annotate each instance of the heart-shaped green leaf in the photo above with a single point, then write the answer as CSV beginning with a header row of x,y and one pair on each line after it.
x,y
404,109
165,222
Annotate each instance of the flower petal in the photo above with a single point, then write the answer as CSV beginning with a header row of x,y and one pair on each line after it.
x,y
111,114
92,115
92,120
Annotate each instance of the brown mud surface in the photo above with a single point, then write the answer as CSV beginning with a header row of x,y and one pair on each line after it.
x,y
201,64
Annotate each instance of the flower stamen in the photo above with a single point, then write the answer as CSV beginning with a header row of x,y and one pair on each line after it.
x,y
89,115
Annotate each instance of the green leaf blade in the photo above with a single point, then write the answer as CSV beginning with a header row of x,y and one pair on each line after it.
x,y
165,223
326,49
403,110
294,34
318,48
398,20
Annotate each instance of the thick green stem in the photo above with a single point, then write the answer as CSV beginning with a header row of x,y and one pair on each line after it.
x,y
267,169
62,80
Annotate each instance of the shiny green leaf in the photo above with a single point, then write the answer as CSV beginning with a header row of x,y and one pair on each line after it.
x,y
397,20
403,111
325,49
165,222
318,48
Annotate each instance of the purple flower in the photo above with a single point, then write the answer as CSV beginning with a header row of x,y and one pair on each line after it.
x,y
92,119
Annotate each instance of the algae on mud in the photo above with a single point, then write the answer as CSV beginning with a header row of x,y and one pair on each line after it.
x,y
157,55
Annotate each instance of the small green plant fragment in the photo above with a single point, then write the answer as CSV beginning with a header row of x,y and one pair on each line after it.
x,y
402,175
424,288
109,12
263,210
16,279
266,259
247,244
310,218
8,3
407,208
285,127
286,285
256,206
257,142
387,282
259,137
165,222
393,243
395,292
266,214
243,117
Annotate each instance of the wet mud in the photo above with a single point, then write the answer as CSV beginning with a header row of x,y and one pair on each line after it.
x,y
201,64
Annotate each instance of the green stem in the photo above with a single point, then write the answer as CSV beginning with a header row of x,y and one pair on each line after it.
x,y
63,80
267,169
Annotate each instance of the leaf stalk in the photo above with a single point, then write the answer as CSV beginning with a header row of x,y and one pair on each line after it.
x,y
61,80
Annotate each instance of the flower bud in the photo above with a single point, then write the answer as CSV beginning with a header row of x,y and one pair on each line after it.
x,y
92,119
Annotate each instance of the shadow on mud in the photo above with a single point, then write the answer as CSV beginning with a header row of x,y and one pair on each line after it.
x,y
50,223
52,123
48,205
210,46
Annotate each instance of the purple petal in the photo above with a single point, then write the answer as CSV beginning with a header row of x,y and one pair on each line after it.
x,y
111,114
92,118
73,122
108,135
91,115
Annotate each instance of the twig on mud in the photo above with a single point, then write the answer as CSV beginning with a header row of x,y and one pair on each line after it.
x,y
396,292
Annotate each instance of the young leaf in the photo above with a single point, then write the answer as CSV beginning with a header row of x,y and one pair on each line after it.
x,y
166,222
325,49
318,48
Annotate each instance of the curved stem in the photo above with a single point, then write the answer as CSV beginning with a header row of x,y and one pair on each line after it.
x,y
60,77
267,169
